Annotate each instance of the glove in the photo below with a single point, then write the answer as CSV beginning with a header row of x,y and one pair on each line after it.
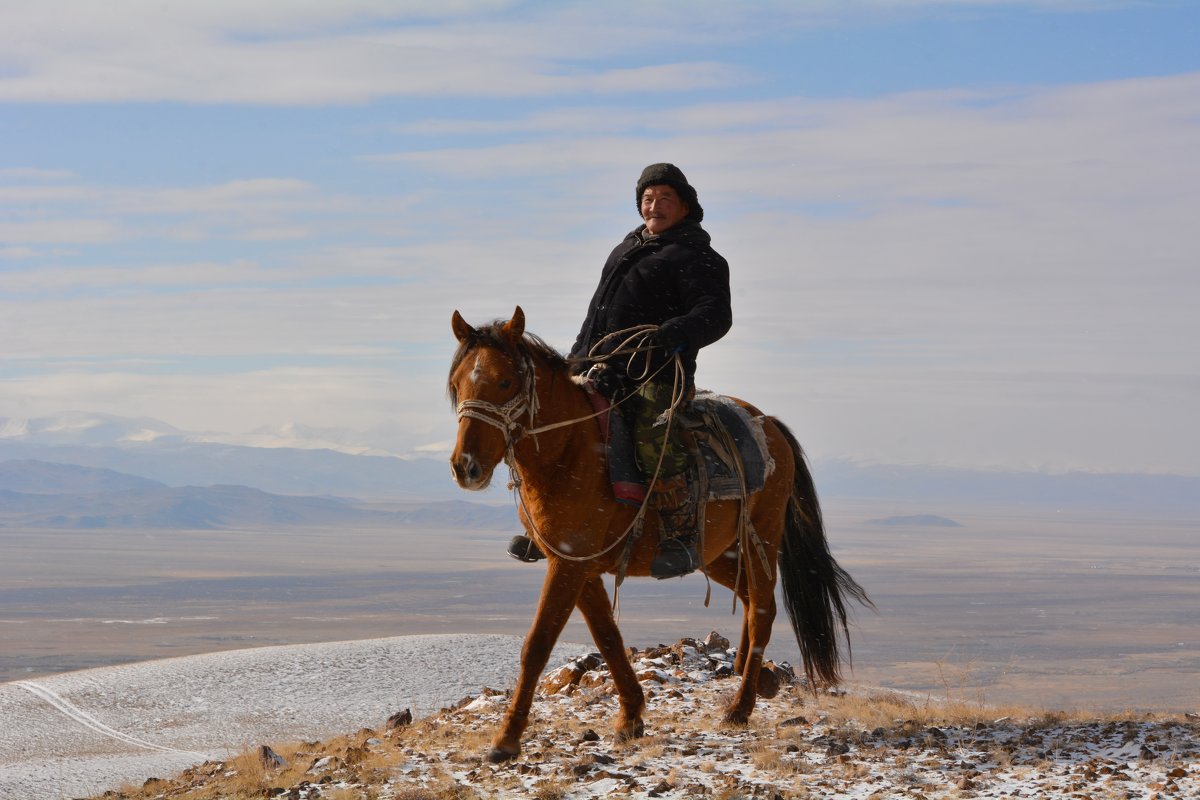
x,y
670,339
610,382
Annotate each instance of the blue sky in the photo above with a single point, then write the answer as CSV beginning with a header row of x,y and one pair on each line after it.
x,y
961,233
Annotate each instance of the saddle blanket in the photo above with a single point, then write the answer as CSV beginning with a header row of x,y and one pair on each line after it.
x,y
744,431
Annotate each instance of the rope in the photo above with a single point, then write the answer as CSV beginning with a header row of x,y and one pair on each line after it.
x,y
676,399
504,418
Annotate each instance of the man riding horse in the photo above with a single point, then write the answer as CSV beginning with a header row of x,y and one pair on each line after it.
x,y
664,274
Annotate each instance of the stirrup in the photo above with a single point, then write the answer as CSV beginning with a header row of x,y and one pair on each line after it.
x,y
522,548
675,558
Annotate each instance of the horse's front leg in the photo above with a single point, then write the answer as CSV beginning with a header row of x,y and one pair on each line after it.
x,y
560,591
594,605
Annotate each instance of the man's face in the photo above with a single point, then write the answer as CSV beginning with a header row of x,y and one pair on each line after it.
x,y
662,209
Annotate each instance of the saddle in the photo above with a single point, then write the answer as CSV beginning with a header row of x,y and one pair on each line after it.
x,y
728,456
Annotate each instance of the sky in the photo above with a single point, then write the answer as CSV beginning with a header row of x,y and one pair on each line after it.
x,y
961,232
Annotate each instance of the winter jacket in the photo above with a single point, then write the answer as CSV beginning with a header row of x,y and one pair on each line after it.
x,y
674,280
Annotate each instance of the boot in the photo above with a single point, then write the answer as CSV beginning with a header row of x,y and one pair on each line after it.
x,y
677,554
675,558
522,548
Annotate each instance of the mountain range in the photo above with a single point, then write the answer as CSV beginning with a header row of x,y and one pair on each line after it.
x,y
91,470
36,494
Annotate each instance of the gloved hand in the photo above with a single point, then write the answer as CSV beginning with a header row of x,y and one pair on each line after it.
x,y
669,338
610,381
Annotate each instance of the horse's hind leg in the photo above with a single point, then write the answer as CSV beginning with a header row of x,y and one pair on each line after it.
x,y
594,605
756,633
758,605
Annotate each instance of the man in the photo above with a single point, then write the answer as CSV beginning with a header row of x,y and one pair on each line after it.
x,y
664,273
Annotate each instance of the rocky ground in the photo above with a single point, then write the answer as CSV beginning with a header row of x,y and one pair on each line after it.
x,y
800,744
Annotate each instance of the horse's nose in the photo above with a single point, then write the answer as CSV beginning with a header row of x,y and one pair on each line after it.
x,y
466,470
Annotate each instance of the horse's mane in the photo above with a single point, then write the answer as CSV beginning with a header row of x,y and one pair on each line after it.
x,y
491,336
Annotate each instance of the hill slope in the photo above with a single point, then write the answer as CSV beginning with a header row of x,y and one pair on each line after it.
x,y
799,744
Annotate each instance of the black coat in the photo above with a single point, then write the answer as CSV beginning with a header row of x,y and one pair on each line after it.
x,y
674,280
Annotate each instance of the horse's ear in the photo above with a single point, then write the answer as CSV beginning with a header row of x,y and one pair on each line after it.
x,y
462,330
514,329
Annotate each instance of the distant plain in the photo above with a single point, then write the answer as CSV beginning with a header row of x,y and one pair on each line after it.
x,y
1015,606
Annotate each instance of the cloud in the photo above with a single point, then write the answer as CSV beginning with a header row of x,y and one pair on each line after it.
x,y
31,174
249,209
291,54
970,275
314,53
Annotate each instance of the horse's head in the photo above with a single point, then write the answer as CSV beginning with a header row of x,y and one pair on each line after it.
x,y
491,387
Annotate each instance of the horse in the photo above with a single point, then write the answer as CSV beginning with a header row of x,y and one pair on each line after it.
x,y
502,383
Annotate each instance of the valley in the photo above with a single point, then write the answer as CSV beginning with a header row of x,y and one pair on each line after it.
x,y
1012,606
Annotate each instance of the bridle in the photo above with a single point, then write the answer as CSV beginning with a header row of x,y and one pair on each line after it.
x,y
505,417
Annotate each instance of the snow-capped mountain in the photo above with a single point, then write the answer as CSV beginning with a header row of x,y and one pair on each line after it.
x,y
78,428
289,459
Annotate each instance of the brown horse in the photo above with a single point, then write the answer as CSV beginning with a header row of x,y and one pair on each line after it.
x,y
517,402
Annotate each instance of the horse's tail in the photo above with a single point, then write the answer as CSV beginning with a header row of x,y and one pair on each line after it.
x,y
815,587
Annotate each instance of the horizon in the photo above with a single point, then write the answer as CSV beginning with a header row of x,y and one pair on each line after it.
x,y
76,429
959,232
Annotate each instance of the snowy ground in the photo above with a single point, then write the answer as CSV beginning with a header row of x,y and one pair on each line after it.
x,y
861,744
84,732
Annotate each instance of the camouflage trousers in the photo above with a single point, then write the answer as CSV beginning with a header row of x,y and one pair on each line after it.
x,y
649,436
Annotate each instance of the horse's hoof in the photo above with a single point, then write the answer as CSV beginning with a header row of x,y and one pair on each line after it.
x,y
627,732
735,717
500,755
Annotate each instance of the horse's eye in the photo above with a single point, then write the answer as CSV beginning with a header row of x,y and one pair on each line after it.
x,y
504,384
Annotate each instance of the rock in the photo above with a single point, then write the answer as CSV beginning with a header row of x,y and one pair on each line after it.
x,y
401,719
785,671
715,642
322,763
270,759
593,678
768,682
590,662
793,722
561,678
661,788
590,735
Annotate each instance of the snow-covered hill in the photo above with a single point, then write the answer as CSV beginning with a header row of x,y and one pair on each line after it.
x,y
84,732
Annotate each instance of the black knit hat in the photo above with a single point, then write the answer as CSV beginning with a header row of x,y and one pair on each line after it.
x,y
670,175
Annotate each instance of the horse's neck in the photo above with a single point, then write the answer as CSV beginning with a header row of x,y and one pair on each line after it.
x,y
543,457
